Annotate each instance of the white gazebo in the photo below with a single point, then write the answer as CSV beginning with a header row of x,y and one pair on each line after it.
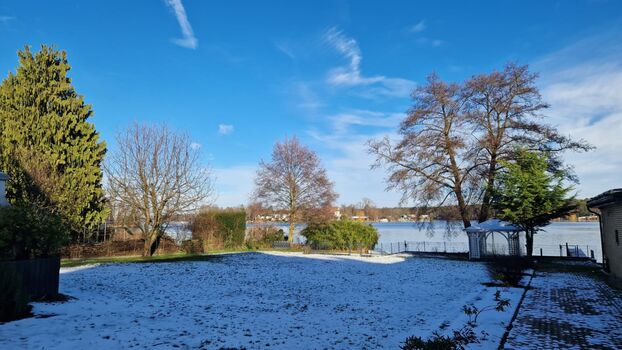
x,y
483,233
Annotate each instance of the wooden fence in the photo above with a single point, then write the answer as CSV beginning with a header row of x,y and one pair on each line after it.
x,y
40,277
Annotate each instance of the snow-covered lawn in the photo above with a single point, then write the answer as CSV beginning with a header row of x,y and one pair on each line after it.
x,y
270,300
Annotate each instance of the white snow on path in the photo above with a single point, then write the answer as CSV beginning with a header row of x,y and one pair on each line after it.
x,y
257,301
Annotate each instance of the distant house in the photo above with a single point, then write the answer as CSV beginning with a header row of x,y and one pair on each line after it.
x,y
610,206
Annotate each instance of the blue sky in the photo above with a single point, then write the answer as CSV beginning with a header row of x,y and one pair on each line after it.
x,y
239,75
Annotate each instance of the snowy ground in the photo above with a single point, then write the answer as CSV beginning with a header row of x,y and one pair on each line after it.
x,y
273,300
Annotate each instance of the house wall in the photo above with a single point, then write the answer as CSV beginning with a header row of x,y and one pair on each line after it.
x,y
612,221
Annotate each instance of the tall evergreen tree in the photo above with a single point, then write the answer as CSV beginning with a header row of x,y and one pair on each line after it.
x,y
49,149
530,194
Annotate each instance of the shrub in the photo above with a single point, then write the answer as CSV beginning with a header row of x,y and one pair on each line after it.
x,y
192,246
508,270
219,229
13,299
28,232
457,341
263,236
341,235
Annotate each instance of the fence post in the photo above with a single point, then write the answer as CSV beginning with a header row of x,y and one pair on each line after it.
x,y
592,254
560,250
391,247
405,246
540,251
444,247
566,248
423,246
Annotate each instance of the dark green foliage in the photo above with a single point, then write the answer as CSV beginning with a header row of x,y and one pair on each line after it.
x,y
508,270
220,229
263,236
457,341
49,149
530,196
341,235
27,231
13,299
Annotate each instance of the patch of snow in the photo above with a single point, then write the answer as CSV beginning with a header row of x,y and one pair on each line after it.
x,y
260,300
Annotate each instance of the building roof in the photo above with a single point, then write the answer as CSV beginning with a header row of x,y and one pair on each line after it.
x,y
606,198
493,225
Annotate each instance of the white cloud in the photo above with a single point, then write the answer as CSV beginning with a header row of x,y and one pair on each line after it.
x,y
234,185
350,75
195,146
419,27
351,172
6,19
348,162
306,96
225,129
188,39
586,103
343,122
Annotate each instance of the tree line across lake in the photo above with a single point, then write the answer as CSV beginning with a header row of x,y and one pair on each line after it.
x,y
481,146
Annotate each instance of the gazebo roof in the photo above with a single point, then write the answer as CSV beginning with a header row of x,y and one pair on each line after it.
x,y
493,225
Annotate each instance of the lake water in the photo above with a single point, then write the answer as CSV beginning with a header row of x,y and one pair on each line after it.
x,y
584,235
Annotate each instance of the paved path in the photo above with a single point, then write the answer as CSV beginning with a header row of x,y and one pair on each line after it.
x,y
568,310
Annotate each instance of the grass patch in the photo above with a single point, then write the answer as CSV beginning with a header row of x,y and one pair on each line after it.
x,y
179,257
212,255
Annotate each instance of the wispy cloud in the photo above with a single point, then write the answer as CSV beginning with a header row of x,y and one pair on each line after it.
x,y
419,27
586,104
6,19
429,41
195,145
285,49
188,39
351,75
234,185
348,165
307,98
343,122
225,129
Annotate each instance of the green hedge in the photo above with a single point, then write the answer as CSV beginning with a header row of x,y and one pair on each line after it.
x,y
220,229
341,235
30,232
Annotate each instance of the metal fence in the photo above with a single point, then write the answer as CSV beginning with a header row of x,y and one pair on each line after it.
x,y
499,248
40,277
567,250
422,247
280,245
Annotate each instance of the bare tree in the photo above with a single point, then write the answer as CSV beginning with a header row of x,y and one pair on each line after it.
x,y
155,174
428,164
505,110
369,208
293,180
457,135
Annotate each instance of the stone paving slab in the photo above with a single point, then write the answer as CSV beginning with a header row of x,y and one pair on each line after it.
x,y
568,310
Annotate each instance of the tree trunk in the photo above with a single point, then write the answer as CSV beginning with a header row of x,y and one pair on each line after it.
x,y
290,236
463,208
151,244
488,192
529,241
